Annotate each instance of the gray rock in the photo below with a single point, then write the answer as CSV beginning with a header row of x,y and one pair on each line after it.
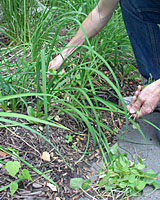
x,y
36,185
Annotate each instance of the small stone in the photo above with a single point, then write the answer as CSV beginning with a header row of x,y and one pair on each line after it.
x,y
36,185
52,187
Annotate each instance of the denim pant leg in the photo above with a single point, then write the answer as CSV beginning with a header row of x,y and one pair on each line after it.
x,y
141,18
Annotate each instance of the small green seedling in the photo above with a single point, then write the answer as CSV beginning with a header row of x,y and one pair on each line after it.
x,y
32,113
69,139
13,167
74,147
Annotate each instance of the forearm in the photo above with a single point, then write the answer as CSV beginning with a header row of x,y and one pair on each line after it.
x,y
92,25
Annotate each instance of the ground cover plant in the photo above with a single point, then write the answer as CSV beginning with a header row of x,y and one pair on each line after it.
x,y
87,94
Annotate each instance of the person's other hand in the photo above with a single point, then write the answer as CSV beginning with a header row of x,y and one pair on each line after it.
x,y
145,101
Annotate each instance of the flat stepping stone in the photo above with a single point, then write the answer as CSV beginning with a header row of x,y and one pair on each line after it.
x,y
149,153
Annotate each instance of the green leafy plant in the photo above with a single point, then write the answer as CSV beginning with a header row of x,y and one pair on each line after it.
x,y
122,176
127,68
69,139
31,112
125,175
13,167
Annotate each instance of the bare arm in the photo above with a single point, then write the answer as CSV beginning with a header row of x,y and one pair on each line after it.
x,y
92,25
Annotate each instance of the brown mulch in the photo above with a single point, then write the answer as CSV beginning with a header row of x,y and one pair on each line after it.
x,y
31,146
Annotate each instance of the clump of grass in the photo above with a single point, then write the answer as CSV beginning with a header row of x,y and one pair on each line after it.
x,y
73,92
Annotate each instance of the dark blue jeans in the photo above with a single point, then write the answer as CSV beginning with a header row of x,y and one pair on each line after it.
x,y
141,18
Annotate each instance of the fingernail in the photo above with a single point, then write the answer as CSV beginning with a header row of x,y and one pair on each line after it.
x,y
132,110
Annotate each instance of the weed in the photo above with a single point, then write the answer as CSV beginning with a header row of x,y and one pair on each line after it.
x,y
31,112
69,138
13,167
122,175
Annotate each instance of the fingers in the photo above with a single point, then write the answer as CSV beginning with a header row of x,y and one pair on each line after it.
x,y
56,63
142,112
51,65
145,101
137,93
62,70
134,98
136,106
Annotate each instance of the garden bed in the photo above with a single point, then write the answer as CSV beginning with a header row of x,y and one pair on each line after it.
x,y
77,117
30,147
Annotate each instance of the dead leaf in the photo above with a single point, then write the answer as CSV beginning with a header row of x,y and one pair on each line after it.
x,y
40,128
46,156
97,150
3,154
52,154
57,118
82,139
119,123
91,173
52,187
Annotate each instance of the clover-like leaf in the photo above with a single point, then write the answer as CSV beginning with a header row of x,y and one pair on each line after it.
x,y
156,185
140,185
131,178
25,175
13,167
13,187
31,111
76,183
140,166
114,149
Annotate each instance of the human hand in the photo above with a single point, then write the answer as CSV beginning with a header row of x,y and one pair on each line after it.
x,y
55,64
147,99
